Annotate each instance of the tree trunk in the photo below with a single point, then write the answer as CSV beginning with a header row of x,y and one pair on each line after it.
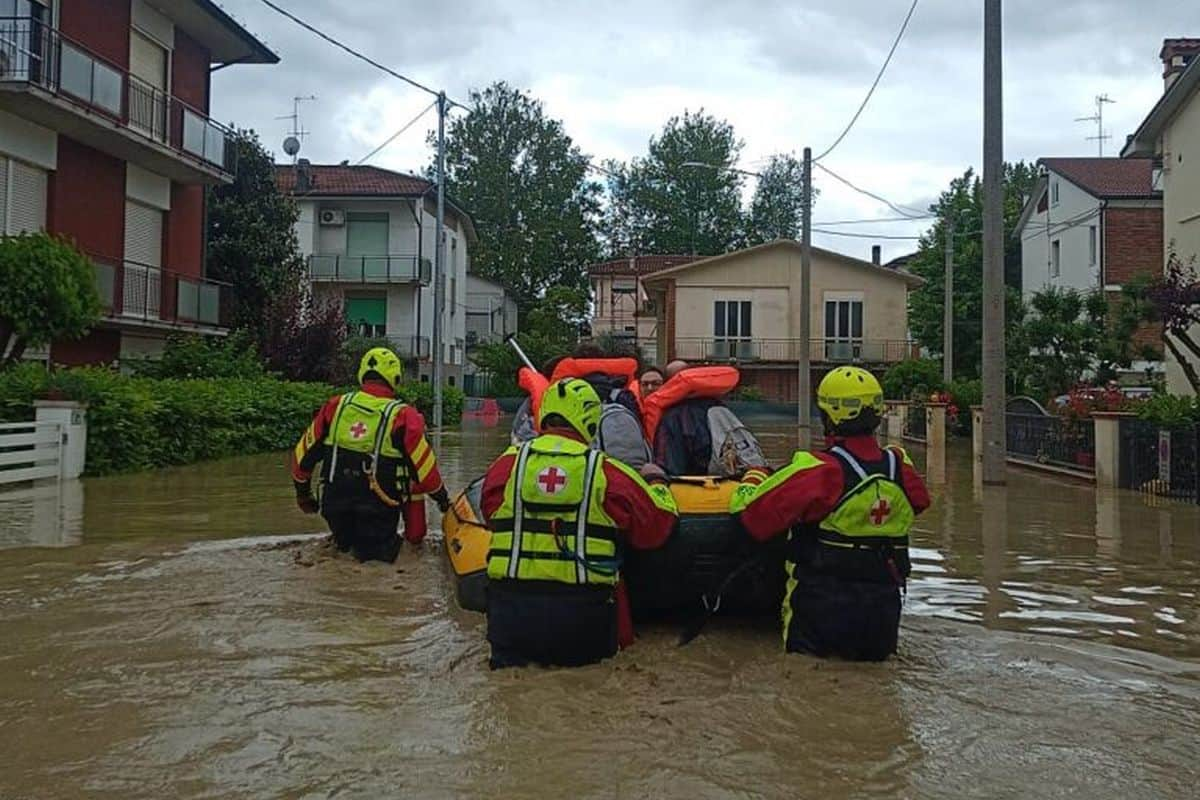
x,y
1188,369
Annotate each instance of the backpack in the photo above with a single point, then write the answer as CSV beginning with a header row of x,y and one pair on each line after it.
x,y
734,448
629,444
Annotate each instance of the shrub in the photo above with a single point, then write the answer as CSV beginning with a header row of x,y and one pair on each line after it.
x,y
192,356
748,394
301,337
1170,411
920,376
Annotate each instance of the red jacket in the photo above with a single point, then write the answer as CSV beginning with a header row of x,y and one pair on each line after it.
x,y
810,495
408,436
643,524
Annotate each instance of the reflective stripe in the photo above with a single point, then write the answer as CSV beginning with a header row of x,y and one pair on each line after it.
x,y
593,460
514,552
851,460
385,417
337,419
892,466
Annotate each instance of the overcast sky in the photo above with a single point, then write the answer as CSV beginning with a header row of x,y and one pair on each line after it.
x,y
786,73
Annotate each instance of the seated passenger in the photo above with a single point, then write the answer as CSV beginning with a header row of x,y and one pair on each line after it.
x,y
693,431
650,381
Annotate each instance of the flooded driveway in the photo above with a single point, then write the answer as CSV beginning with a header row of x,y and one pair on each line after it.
x,y
174,635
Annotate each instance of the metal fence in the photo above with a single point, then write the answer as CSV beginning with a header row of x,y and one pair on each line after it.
x,y
914,422
1054,440
1159,462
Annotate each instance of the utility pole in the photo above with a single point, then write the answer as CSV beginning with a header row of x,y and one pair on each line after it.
x,y
803,367
994,431
439,264
948,313
1101,137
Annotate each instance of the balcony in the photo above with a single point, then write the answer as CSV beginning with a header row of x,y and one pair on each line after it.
x,y
143,295
399,269
821,351
49,79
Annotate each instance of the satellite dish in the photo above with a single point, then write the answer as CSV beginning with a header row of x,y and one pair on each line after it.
x,y
291,145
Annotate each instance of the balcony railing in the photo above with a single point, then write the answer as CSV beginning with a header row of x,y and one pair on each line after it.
x,y
34,53
133,291
836,351
370,269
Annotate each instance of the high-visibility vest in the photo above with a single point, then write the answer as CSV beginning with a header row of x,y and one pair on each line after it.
x,y
360,442
551,525
865,536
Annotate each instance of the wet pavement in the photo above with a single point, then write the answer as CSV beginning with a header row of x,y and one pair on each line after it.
x,y
184,634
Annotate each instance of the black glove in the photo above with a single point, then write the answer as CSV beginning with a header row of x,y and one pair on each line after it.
x,y
305,500
442,498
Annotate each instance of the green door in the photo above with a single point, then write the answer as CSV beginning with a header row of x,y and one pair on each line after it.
x,y
367,245
367,316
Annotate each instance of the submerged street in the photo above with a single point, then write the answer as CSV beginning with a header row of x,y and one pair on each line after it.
x,y
185,633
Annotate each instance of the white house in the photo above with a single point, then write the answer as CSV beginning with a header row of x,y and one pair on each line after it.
x,y
491,311
367,235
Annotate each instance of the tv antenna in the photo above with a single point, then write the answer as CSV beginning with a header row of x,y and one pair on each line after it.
x,y
291,145
1101,137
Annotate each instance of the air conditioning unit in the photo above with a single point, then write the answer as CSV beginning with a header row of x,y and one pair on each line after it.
x,y
333,216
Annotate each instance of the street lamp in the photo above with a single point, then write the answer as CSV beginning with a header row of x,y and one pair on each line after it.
x,y
803,366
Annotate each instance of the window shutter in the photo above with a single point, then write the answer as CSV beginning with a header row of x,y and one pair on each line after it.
x,y
27,203
143,258
147,61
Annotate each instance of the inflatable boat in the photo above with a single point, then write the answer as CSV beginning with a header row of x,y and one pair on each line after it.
x,y
707,561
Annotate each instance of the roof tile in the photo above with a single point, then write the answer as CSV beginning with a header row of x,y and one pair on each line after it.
x,y
1107,177
337,180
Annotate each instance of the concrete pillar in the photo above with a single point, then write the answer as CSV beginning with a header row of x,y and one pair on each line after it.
x,y
896,413
72,416
1108,447
977,437
935,442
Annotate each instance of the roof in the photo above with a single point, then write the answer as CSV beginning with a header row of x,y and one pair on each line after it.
x,y
909,278
639,265
346,181
1144,142
227,41
1107,178
343,180
1184,43
900,262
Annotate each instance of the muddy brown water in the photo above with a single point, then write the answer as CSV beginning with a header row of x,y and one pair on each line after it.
x,y
183,634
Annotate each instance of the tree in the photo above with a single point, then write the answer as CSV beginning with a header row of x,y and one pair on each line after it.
x,y
778,204
659,205
251,235
301,338
1063,335
526,185
1174,301
963,202
47,292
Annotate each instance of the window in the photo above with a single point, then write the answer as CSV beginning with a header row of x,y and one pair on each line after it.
x,y
142,284
367,246
367,316
1054,193
148,62
843,328
1092,245
22,197
732,326
1055,258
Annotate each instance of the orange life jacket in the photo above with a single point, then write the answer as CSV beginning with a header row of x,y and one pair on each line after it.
x,y
535,383
694,382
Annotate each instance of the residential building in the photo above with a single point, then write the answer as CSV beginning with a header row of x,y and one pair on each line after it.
x,y
1091,223
367,236
1170,135
105,139
621,306
745,307
491,311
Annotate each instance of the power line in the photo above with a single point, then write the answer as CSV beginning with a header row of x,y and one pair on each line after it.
x,y
866,235
397,134
871,91
901,210
871,221
354,52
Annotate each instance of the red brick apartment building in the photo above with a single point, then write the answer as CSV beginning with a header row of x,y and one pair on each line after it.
x,y
105,138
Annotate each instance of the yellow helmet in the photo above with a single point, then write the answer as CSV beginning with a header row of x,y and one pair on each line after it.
x,y
846,391
384,363
575,401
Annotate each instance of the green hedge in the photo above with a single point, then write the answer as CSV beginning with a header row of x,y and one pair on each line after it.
x,y
140,423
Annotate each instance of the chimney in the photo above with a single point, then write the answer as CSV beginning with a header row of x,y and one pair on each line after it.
x,y
303,176
876,254
1176,54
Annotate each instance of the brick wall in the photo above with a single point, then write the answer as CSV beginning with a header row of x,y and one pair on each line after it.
x,y
101,346
189,71
87,199
183,245
1133,244
100,25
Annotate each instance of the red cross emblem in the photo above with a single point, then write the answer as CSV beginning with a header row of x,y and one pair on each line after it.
x,y
879,511
358,430
552,480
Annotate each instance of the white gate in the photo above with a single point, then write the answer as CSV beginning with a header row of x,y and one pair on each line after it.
x,y
31,451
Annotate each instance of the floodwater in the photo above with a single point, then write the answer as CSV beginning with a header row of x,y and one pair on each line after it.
x,y
181,634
